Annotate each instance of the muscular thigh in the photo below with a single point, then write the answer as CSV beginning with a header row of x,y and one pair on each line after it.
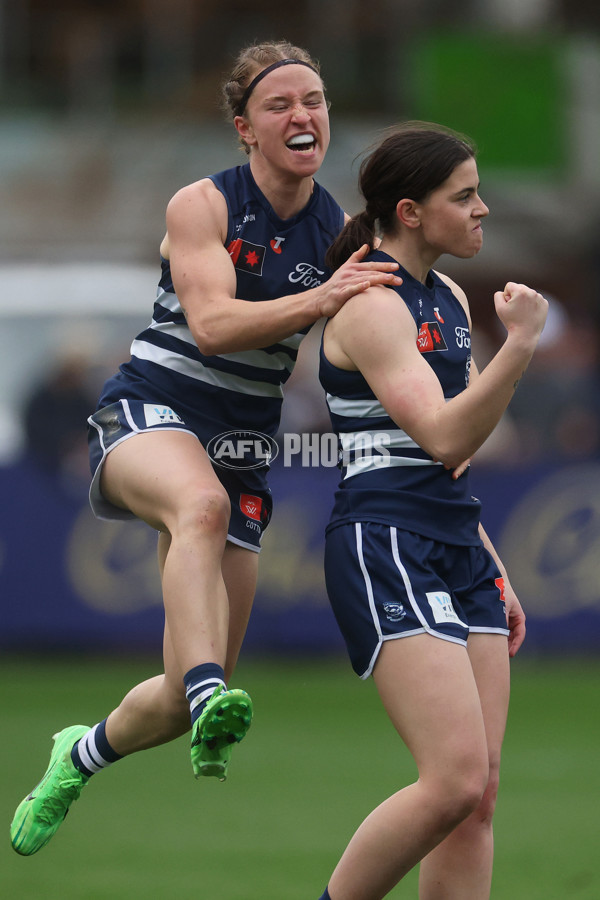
x,y
153,474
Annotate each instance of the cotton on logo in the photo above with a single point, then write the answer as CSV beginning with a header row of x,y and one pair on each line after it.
x,y
242,450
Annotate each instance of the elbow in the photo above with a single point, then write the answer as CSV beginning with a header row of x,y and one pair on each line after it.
x,y
205,332
206,341
452,461
206,346
451,456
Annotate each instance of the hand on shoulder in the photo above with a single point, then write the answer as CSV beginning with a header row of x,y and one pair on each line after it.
x,y
354,277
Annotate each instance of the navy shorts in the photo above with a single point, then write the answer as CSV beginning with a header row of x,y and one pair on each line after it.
x,y
250,497
384,583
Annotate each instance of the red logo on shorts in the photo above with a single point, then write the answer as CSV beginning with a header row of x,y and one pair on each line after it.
x,y
251,506
499,582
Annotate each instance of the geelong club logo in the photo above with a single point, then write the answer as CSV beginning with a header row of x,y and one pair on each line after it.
x,y
242,450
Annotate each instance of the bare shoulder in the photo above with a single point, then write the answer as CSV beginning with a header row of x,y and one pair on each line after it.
x,y
361,306
457,291
354,323
377,309
200,205
200,194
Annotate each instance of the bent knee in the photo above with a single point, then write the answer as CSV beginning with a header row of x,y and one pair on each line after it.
x,y
471,794
487,806
204,511
462,791
211,505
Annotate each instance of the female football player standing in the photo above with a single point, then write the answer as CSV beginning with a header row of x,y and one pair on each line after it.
x,y
417,589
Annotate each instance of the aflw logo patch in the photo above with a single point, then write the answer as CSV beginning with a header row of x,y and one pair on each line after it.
x,y
247,257
430,338
251,506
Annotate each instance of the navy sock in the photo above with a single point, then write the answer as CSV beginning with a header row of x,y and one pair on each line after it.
x,y
92,752
325,896
200,682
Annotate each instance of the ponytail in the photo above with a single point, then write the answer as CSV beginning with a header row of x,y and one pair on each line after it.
x,y
358,231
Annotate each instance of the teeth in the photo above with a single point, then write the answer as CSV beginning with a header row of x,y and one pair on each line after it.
x,y
301,139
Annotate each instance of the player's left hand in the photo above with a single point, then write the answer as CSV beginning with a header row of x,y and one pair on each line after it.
x,y
353,277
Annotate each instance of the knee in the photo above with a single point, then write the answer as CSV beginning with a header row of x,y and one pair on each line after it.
x,y
472,793
486,807
204,512
468,795
463,790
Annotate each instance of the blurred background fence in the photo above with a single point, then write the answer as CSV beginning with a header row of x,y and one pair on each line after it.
x,y
107,108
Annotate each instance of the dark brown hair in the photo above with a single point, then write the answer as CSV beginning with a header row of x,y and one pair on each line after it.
x,y
412,160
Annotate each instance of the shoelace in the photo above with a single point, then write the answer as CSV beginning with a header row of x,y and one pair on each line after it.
x,y
56,805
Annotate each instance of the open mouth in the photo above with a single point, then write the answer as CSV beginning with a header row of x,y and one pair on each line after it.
x,y
302,143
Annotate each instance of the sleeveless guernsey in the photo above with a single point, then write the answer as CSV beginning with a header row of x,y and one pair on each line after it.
x,y
386,476
272,258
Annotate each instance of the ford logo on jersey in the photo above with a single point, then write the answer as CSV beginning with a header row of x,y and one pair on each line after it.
x,y
242,450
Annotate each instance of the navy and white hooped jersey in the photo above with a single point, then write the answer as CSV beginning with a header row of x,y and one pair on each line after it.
x,y
272,258
387,477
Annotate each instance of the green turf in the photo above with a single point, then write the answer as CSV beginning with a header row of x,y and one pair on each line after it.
x,y
319,756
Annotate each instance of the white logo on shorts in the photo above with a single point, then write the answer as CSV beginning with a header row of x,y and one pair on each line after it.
x,y
443,611
160,415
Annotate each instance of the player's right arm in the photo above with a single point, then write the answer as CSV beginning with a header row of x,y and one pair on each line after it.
x,y
205,282
376,334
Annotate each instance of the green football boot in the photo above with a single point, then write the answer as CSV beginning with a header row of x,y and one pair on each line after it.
x,y
41,813
223,723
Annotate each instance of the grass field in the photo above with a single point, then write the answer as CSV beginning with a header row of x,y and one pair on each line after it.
x,y
319,756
